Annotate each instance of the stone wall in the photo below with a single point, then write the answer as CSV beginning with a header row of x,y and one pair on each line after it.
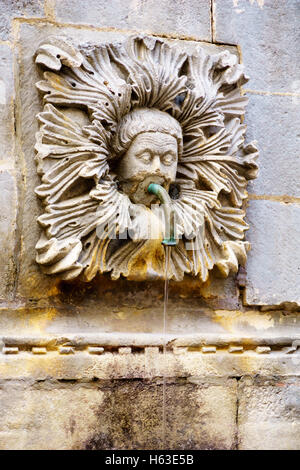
x,y
82,365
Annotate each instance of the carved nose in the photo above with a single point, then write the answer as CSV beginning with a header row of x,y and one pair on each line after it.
x,y
156,163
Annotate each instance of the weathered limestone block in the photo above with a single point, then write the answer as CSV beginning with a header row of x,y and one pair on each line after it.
x,y
269,413
274,121
273,275
10,9
189,18
6,106
8,204
268,33
47,416
121,415
33,283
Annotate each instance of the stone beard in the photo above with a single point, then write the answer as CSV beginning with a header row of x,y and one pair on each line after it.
x,y
148,145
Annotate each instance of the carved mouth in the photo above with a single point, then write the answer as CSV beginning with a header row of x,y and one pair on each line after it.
x,y
136,188
158,179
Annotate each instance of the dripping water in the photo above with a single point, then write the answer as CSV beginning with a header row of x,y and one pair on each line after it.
x,y
166,293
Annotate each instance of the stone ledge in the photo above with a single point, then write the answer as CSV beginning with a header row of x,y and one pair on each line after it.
x,y
176,350
112,365
126,343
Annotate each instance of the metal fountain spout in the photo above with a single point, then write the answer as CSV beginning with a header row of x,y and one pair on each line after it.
x,y
169,213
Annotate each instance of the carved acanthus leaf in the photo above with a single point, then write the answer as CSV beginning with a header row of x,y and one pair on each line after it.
x,y
153,70
216,161
66,154
57,52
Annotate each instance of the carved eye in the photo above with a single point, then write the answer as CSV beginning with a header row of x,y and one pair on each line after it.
x,y
168,159
145,157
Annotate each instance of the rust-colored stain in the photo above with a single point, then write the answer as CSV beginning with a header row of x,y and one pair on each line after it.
x,y
39,319
232,320
36,291
151,255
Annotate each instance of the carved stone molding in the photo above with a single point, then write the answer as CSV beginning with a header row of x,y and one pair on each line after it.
x,y
110,112
85,358
139,342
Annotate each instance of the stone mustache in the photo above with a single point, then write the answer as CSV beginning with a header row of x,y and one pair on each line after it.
x,y
119,116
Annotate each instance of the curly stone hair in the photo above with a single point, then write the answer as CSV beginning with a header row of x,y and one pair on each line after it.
x,y
145,120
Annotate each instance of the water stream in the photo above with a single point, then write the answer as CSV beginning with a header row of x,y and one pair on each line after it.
x,y
166,292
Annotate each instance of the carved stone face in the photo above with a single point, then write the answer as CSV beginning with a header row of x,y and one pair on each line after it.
x,y
151,158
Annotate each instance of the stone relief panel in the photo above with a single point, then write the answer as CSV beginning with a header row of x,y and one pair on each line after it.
x,y
122,116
